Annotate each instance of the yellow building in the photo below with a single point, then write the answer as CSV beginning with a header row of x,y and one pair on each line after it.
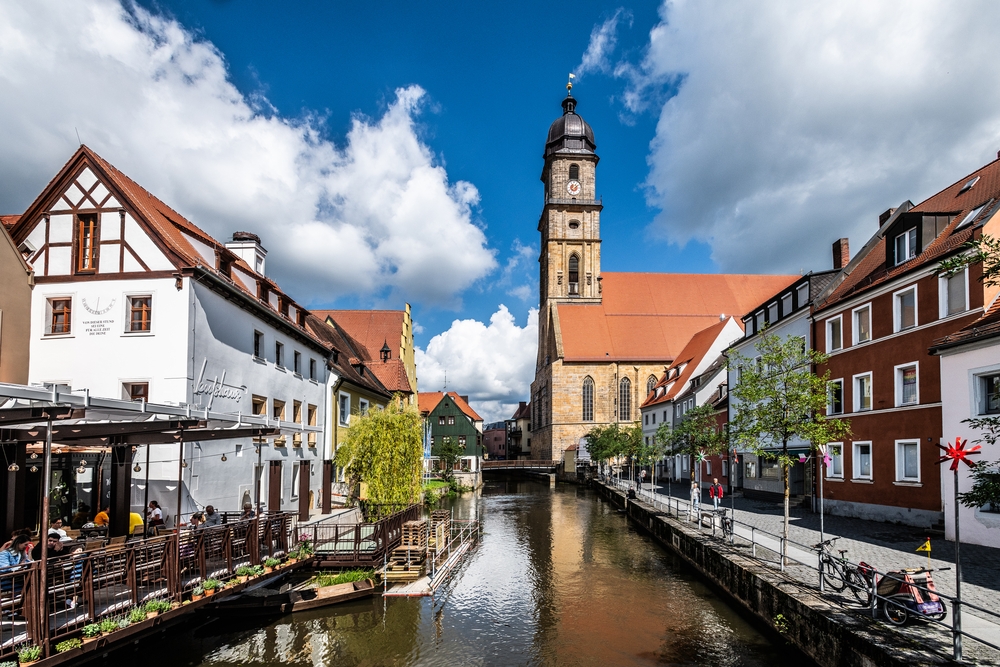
x,y
16,281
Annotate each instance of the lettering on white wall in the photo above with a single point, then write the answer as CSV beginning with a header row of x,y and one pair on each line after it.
x,y
101,326
215,387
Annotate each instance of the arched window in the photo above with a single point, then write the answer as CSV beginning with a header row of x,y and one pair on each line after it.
x,y
574,172
650,384
625,400
574,274
588,399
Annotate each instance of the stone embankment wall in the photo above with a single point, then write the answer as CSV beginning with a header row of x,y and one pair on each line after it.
x,y
826,633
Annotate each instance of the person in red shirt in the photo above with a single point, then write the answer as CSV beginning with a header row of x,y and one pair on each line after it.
x,y
715,492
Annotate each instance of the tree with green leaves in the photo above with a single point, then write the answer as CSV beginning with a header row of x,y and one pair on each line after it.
x,y
614,441
985,249
384,449
448,452
780,399
698,432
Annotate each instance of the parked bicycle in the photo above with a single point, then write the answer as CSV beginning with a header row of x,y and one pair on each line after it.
x,y
840,573
725,523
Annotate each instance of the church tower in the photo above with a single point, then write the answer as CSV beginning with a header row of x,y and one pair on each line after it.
x,y
569,264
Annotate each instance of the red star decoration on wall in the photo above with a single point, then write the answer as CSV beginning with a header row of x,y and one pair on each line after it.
x,y
957,452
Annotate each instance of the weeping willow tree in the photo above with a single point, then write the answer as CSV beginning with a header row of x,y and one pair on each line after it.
x,y
384,450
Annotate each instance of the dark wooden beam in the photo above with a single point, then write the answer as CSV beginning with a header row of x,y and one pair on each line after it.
x,y
304,469
121,490
12,416
274,487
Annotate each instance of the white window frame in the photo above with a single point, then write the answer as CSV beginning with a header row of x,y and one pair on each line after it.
x,y
829,322
47,314
906,235
943,294
898,375
855,461
343,416
363,406
829,402
708,468
127,319
293,492
900,462
855,340
979,392
279,363
856,395
897,311
835,450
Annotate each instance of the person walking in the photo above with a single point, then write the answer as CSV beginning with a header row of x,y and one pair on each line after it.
x,y
715,492
695,498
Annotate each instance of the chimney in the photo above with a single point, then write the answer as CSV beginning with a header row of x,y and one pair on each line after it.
x,y
247,246
841,253
886,214
464,398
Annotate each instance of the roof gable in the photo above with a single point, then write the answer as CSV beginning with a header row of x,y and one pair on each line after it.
x,y
701,352
428,401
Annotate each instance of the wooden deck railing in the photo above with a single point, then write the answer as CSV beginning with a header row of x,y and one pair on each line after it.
x,y
359,544
106,583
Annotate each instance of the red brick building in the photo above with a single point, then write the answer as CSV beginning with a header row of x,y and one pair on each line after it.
x,y
877,321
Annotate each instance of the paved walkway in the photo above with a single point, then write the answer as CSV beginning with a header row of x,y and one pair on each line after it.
x,y
884,546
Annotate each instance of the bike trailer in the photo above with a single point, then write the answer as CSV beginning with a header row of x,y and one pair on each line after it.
x,y
916,586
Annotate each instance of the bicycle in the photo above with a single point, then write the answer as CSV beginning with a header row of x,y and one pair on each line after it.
x,y
727,525
840,573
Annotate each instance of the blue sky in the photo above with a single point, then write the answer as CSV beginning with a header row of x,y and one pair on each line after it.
x,y
391,152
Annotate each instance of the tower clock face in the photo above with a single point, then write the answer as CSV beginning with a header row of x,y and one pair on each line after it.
x,y
573,187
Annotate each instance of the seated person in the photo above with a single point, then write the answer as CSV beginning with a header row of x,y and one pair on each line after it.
x,y
212,518
102,518
53,547
82,515
135,523
196,521
57,526
248,512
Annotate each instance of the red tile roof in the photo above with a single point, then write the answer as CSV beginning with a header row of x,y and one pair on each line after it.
x,y
872,270
428,400
987,326
523,411
689,358
373,329
9,221
651,316
334,338
169,227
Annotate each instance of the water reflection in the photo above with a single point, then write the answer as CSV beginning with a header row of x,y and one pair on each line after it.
x,y
559,579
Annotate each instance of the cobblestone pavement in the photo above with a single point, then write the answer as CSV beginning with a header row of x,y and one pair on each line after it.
x,y
886,547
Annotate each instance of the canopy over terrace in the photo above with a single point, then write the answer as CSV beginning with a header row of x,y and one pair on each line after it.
x,y
54,418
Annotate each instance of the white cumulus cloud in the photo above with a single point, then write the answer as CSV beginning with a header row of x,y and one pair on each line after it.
x,y
376,213
603,40
796,123
493,364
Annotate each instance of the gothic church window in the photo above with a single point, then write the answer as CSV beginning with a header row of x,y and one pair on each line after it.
x,y
650,384
574,172
625,400
574,274
588,399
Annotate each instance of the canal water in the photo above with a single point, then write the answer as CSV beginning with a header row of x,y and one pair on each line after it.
x,y
560,578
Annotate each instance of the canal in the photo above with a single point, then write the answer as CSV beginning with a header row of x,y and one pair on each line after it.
x,y
560,578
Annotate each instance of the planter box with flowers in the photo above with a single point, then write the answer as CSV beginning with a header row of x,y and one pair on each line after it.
x,y
28,655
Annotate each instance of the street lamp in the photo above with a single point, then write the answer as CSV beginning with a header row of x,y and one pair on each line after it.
x,y
385,353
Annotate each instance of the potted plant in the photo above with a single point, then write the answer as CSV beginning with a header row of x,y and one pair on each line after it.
x,y
91,632
68,645
258,570
243,572
197,593
270,564
123,623
108,626
8,663
28,655
210,586
138,615
292,558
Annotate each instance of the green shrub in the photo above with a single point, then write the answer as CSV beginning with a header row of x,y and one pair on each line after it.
x,y
91,630
272,562
29,654
122,624
108,625
137,615
244,571
348,576
211,584
257,570
198,590
68,645
8,663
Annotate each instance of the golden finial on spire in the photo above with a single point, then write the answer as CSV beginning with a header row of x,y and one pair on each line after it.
x,y
569,84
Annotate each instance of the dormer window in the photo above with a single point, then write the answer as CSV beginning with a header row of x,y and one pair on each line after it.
x,y
906,246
